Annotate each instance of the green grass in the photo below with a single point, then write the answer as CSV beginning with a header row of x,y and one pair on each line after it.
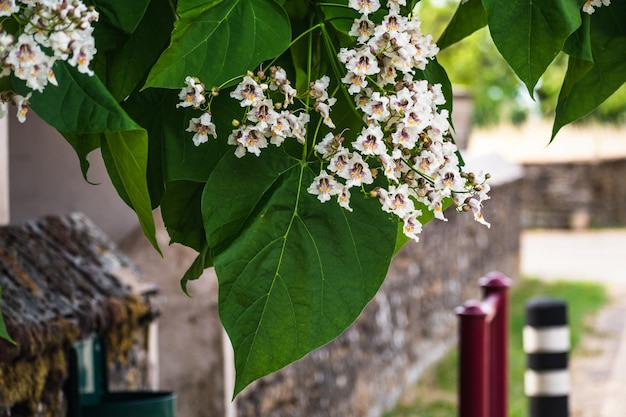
x,y
435,393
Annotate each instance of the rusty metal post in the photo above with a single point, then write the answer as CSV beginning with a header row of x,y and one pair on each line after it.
x,y
473,369
495,292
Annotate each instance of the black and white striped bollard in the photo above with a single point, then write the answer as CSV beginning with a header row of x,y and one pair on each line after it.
x,y
547,344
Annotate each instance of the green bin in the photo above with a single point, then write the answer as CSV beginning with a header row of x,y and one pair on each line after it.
x,y
88,395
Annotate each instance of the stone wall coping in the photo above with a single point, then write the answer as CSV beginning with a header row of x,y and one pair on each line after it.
x,y
502,171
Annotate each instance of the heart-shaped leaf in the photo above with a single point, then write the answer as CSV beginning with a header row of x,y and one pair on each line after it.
x,y
221,40
529,34
585,88
294,273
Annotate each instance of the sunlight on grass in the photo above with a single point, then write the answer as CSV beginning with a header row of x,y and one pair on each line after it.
x,y
435,393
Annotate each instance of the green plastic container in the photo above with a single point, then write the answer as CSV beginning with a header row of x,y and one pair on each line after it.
x,y
89,397
133,404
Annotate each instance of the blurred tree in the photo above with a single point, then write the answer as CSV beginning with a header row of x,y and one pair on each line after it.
x,y
475,66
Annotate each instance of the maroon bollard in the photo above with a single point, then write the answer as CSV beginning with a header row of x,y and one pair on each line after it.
x,y
483,341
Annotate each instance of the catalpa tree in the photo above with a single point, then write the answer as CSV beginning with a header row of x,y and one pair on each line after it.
x,y
296,145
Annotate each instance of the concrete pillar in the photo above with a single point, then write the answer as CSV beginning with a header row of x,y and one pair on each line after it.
x,y
4,169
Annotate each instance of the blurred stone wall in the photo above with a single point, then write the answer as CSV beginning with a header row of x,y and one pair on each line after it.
x,y
408,326
575,194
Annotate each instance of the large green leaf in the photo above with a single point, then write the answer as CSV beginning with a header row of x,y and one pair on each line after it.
x,y
468,18
579,43
82,107
583,88
129,65
4,334
197,267
529,34
124,15
294,273
182,215
220,41
83,145
129,154
156,111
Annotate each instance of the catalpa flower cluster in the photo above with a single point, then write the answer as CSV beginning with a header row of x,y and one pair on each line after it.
x,y
50,30
405,135
267,120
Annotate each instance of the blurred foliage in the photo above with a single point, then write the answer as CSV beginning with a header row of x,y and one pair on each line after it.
x,y
476,67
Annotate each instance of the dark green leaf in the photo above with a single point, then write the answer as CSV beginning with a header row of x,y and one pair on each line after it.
x,y
583,88
129,65
124,15
294,273
129,154
579,43
4,334
181,213
529,34
156,111
468,18
197,267
81,105
219,42
83,144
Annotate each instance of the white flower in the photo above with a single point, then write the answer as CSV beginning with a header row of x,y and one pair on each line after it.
x,y
298,124
22,106
362,29
476,207
280,129
357,172
391,167
248,92
365,7
203,127
263,114
323,108
193,94
363,63
412,226
343,198
377,108
253,140
370,141
319,87
357,82
405,136
235,138
394,5
589,6
8,7
339,160
83,51
326,146
398,201
324,186
447,179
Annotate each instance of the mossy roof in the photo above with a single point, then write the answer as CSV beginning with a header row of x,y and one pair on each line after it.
x,y
62,280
